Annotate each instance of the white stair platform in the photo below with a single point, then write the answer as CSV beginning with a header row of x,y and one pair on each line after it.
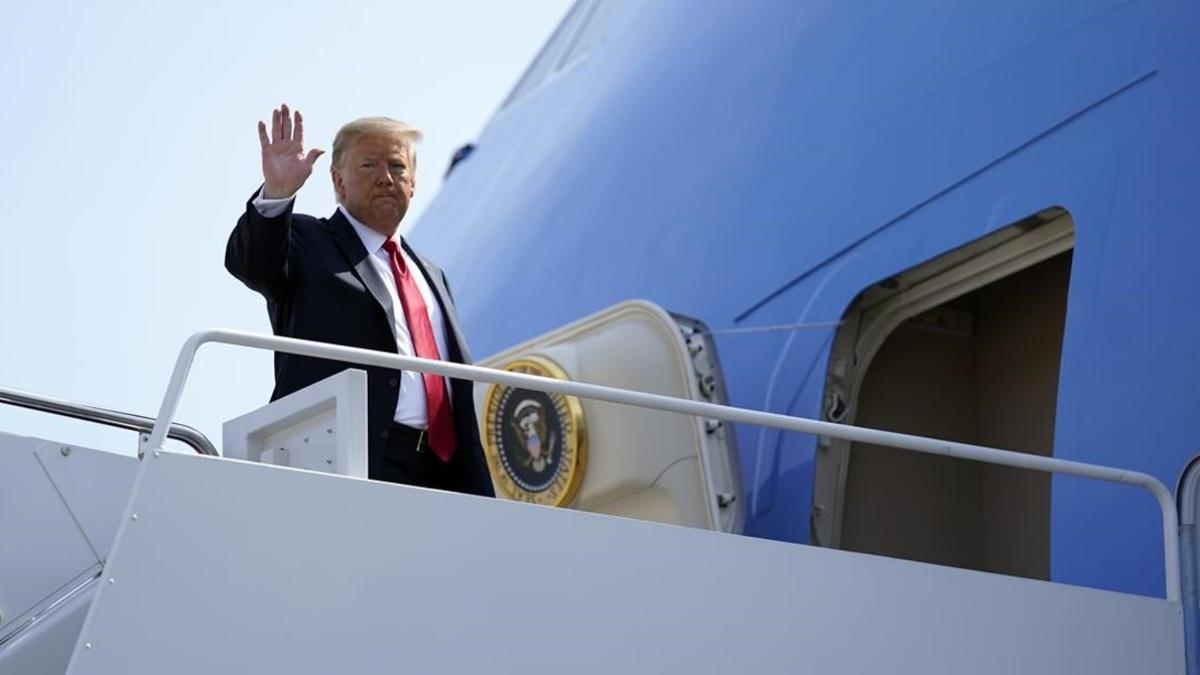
x,y
238,567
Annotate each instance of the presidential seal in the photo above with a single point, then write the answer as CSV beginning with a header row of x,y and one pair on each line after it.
x,y
536,443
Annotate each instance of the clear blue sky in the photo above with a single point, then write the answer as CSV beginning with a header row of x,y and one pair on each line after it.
x,y
128,146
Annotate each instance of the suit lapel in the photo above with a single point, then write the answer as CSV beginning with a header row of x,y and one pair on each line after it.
x,y
436,280
351,246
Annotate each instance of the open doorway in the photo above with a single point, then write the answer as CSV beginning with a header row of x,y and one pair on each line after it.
x,y
966,347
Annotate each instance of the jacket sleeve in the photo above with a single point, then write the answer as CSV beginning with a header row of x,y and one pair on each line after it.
x,y
261,250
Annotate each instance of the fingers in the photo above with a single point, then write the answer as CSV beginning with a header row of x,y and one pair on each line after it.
x,y
281,127
313,155
287,123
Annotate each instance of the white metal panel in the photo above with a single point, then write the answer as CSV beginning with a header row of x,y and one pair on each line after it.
x,y
95,486
42,547
237,567
668,500
44,648
322,427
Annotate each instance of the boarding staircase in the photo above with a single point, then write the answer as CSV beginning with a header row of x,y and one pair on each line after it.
x,y
296,563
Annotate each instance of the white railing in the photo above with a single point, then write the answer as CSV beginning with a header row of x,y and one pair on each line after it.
x,y
931,446
112,418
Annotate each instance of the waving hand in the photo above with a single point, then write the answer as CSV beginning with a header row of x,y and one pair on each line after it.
x,y
284,162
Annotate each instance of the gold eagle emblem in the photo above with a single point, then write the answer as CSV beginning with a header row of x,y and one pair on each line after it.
x,y
535,442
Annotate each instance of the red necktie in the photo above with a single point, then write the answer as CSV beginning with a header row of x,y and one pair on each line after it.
x,y
437,404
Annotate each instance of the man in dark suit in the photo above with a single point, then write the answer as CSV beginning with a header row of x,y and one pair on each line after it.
x,y
351,279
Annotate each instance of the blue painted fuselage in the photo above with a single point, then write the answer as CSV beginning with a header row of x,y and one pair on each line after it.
x,y
761,163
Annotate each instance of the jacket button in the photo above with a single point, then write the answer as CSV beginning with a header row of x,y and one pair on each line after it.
x,y
393,382
383,434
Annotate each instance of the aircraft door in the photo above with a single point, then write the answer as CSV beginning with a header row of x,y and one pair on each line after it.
x,y
609,458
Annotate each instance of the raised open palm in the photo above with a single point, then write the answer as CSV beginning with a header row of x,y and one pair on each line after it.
x,y
284,162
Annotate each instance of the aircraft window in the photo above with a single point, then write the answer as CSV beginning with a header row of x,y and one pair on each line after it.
x,y
966,347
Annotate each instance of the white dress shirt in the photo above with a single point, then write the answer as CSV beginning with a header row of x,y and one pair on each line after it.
x,y
410,406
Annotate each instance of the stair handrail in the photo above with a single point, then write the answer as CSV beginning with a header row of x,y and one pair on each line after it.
x,y
113,418
933,446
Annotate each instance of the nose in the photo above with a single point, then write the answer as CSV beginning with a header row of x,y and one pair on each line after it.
x,y
385,176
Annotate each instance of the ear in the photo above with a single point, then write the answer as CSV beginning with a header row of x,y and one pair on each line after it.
x,y
336,177
412,181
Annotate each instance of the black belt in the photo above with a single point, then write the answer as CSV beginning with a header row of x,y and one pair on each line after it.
x,y
417,439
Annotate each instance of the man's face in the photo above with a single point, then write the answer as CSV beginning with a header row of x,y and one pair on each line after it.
x,y
375,180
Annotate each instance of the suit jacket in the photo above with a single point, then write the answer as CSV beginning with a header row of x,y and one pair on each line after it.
x,y
319,285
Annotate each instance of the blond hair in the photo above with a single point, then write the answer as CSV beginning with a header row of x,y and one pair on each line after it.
x,y
366,126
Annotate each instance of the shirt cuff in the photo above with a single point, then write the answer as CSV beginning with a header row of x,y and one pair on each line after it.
x,y
269,208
